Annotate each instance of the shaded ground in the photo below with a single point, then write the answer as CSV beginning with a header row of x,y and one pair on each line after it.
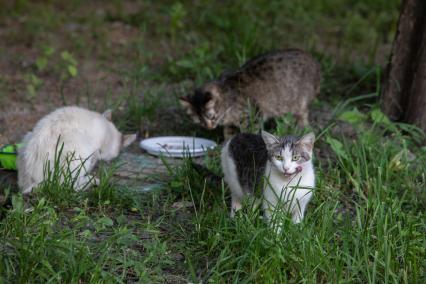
x,y
118,53
93,86
108,57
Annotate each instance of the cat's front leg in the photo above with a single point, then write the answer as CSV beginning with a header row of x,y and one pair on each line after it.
x,y
270,218
298,211
235,205
297,216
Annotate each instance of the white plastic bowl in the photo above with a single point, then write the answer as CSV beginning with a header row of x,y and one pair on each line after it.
x,y
177,146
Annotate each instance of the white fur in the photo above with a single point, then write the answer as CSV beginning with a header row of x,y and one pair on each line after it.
x,y
87,136
289,193
231,178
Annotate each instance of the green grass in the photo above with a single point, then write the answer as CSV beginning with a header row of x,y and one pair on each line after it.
x,y
74,246
61,235
198,40
365,224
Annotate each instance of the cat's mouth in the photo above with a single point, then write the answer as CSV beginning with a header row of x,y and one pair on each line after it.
x,y
210,125
288,174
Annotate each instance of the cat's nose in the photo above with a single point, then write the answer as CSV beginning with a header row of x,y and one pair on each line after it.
x,y
286,169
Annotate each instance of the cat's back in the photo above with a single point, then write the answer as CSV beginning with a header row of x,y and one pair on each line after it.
x,y
285,57
70,117
277,83
246,146
245,150
75,127
276,67
72,125
249,155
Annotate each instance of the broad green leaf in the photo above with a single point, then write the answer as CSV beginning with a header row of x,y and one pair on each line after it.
x,y
353,116
72,70
31,91
337,147
48,51
18,203
185,63
36,81
86,234
106,221
379,117
66,56
41,63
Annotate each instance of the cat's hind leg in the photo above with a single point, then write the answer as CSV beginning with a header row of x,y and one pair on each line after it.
x,y
29,189
231,178
85,182
80,170
302,114
302,119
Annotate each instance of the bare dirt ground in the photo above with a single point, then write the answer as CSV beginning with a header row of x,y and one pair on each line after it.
x,y
110,56
104,52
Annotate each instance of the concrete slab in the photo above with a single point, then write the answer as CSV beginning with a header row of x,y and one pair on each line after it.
x,y
142,172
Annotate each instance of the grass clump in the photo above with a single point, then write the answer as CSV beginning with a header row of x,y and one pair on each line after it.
x,y
365,223
62,235
39,246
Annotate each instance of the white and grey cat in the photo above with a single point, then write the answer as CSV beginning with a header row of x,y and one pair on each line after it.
x,y
86,136
273,84
281,167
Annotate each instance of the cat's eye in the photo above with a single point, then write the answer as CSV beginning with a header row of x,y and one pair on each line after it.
x,y
296,157
278,158
210,116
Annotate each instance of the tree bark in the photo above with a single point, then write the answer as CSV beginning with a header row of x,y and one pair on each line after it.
x,y
404,90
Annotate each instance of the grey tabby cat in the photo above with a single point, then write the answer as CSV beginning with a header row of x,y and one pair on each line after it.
x,y
281,167
274,84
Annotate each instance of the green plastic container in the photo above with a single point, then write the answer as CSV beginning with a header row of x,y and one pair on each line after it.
x,y
8,154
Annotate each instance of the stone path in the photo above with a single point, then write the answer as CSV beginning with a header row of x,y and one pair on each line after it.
x,y
142,172
137,170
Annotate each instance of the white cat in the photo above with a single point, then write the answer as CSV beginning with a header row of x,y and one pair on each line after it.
x,y
281,167
86,137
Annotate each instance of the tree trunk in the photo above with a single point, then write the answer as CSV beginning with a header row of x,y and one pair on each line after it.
x,y
404,90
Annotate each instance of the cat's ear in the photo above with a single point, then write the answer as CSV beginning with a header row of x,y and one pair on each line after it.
x,y
107,114
126,140
210,103
269,139
307,141
213,92
185,102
